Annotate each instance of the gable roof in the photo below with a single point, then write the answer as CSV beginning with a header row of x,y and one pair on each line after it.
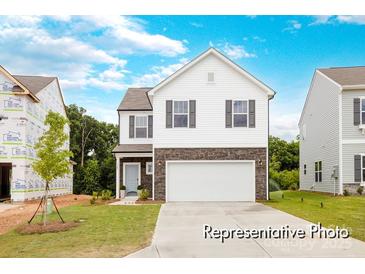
x,y
136,99
271,93
34,83
346,76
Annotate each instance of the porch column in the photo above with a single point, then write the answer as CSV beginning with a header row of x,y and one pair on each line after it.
x,y
117,191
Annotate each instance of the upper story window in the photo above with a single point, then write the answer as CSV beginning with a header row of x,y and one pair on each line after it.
x,y
318,171
141,127
181,113
362,111
240,113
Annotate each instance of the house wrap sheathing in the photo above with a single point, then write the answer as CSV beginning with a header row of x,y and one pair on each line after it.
x,y
24,104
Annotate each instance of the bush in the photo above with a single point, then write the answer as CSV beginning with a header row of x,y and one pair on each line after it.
x,y
360,190
346,192
293,187
122,187
273,185
96,194
106,194
92,200
144,194
140,187
285,179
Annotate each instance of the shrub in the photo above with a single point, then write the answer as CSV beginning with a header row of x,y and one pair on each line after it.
x,y
286,178
122,187
92,200
360,190
96,194
144,194
106,194
346,192
273,185
293,187
140,187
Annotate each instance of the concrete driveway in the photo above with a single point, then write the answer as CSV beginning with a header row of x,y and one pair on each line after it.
x,y
179,233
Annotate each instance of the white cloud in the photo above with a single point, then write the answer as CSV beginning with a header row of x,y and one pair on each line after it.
x,y
236,51
284,126
128,36
157,74
340,19
196,25
293,26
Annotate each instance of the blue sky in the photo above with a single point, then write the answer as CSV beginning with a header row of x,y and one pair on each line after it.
x,y
98,57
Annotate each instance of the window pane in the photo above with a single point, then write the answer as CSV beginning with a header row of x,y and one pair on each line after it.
x,y
363,161
141,121
141,132
180,107
180,120
363,118
316,166
363,175
320,177
363,104
316,177
240,106
240,120
320,166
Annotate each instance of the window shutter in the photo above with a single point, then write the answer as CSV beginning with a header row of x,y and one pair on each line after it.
x,y
192,113
169,114
150,126
131,126
252,113
357,164
356,111
228,113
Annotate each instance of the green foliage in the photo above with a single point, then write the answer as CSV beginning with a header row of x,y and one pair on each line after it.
x,y
99,144
122,187
144,194
346,192
140,187
93,200
96,194
284,164
91,177
53,157
106,194
360,190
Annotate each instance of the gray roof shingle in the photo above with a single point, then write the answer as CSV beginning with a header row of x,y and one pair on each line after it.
x,y
346,76
130,148
34,83
136,99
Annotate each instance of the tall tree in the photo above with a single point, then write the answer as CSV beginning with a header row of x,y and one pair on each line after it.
x,y
53,156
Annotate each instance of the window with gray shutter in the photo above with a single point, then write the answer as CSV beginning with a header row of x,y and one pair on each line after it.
x,y
150,126
356,111
252,113
228,113
357,168
192,113
169,114
131,126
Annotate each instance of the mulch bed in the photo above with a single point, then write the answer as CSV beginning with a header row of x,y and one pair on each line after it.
x,y
149,202
50,227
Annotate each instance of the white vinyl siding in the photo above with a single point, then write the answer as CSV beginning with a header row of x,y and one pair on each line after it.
x,y
210,99
124,127
349,130
320,125
349,151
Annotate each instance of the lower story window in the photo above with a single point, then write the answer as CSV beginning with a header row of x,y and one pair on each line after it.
x,y
318,171
149,168
363,167
305,169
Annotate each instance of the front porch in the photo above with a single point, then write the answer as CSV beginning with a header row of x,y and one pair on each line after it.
x,y
134,168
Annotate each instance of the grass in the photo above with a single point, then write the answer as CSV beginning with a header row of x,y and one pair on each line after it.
x,y
347,212
106,231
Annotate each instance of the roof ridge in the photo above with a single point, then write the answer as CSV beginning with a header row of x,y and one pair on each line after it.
x,y
343,67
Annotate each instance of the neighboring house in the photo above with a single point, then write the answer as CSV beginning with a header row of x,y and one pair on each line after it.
x,y
332,131
199,135
24,104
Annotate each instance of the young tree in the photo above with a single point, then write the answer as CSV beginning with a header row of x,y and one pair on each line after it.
x,y
53,157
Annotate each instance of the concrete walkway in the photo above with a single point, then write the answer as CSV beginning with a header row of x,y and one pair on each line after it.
x,y
179,233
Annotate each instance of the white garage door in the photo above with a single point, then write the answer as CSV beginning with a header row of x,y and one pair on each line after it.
x,y
210,181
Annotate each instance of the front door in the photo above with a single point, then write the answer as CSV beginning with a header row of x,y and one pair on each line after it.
x,y
131,178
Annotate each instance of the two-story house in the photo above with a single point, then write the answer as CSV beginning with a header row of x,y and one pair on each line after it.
x,y
24,104
199,135
332,131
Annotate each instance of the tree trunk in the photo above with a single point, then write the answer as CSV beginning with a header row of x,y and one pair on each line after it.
x,y
45,201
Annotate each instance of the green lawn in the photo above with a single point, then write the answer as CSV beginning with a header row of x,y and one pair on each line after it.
x,y
107,231
343,211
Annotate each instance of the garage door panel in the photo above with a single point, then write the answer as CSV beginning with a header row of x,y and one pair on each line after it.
x,y
210,181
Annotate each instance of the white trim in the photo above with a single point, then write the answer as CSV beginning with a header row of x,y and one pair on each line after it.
x,y
153,174
333,81
341,142
117,178
353,87
353,141
208,161
132,164
269,91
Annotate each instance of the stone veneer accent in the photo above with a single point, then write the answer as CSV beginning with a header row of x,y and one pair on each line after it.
x,y
164,154
146,180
